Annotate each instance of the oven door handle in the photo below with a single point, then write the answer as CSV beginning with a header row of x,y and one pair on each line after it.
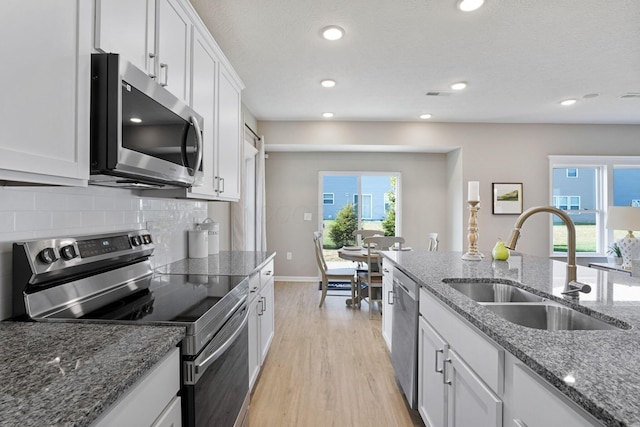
x,y
202,366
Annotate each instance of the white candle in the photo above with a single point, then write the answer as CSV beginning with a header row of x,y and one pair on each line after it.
x,y
474,191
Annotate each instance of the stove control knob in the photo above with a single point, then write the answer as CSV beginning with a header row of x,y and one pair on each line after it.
x,y
47,255
135,241
147,239
68,252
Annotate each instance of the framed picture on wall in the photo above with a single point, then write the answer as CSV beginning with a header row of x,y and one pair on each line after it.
x,y
507,198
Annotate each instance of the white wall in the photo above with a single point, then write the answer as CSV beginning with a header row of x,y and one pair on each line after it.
x,y
484,152
293,185
39,212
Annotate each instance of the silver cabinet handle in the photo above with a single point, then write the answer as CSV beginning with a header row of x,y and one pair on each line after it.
x,y
166,74
152,57
222,182
263,308
268,273
390,297
254,289
440,371
519,423
444,373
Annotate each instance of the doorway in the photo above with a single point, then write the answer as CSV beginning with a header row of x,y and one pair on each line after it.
x,y
356,200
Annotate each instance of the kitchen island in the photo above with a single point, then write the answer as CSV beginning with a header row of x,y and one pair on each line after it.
x,y
69,374
595,369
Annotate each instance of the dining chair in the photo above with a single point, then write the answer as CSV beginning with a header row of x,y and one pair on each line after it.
x,y
337,274
433,242
360,235
373,276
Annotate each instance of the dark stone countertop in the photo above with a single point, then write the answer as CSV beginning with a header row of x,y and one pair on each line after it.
x,y
604,363
225,263
67,374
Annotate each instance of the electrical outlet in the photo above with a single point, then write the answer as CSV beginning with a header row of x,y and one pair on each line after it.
x,y
289,256
307,216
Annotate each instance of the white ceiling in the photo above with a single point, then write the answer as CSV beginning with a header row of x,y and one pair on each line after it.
x,y
520,58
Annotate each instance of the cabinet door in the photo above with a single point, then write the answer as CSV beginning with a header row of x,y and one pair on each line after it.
x,y
44,126
529,395
387,303
432,392
173,41
266,319
203,91
127,27
254,340
470,401
229,134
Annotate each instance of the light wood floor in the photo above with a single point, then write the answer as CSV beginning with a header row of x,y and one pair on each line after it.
x,y
326,367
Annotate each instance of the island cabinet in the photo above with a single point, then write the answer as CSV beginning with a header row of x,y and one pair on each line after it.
x,y
261,319
460,373
152,401
167,39
44,129
465,378
388,299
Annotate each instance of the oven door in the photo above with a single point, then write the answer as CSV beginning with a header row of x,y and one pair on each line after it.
x,y
216,382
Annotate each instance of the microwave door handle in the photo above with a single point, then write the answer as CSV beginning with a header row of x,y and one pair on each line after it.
x,y
196,125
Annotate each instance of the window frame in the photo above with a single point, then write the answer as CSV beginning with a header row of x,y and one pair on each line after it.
x,y
604,194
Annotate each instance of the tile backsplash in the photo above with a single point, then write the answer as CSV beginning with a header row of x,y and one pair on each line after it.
x,y
28,213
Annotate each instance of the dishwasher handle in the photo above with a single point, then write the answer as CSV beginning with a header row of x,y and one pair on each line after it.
x,y
402,287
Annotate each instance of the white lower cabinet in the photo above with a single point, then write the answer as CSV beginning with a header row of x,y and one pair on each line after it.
x,y
460,376
466,379
261,319
388,299
152,401
432,392
530,394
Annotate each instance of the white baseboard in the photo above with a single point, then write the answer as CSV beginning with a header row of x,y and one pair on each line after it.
x,y
296,279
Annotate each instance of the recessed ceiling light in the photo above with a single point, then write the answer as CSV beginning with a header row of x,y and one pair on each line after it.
x,y
458,86
135,120
470,5
567,102
327,115
332,32
425,116
328,83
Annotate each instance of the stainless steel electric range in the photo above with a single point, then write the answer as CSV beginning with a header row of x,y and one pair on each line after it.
x,y
109,278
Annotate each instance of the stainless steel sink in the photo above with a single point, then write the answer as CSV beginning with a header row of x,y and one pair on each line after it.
x,y
549,316
494,292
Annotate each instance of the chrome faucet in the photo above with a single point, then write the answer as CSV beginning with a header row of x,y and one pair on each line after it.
x,y
572,286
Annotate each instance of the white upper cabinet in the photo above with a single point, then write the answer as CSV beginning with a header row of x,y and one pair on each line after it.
x,y
173,42
128,28
229,137
44,127
167,39
155,35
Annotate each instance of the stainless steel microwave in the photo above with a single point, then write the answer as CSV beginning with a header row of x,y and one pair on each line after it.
x,y
142,136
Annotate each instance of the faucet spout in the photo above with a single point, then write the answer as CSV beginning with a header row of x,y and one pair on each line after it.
x,y
569,290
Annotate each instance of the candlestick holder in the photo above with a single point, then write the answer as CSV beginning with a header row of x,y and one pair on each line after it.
x,y
472,253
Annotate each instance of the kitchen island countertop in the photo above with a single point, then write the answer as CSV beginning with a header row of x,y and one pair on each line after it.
x,y
604,363
67,374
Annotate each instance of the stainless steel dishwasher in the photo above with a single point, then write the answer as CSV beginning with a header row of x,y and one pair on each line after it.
x,y
404,341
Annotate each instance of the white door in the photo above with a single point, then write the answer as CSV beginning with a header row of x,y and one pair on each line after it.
x,y
126,27
173,40
229,138
432,392
470,401
203,102
46,73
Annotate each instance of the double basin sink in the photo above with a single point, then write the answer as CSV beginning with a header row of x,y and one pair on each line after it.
x,y
527,309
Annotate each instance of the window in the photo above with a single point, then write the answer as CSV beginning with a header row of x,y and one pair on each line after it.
x,y
327,198
567,202
584,186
